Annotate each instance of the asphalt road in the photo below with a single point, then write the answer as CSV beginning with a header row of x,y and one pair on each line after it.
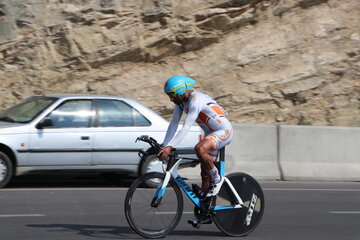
x,y
89,207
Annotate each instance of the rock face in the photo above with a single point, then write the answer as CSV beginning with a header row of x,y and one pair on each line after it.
x,y
266,62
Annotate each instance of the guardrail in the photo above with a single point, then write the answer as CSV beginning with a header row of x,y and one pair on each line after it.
x,y
270,152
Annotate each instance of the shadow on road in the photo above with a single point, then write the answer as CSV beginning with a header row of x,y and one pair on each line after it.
x,y
60,180
99,231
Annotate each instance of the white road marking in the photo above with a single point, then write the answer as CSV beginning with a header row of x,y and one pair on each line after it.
x,y
344,212
22,215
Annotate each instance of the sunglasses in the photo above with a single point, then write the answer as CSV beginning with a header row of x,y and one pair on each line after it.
x,y
171,95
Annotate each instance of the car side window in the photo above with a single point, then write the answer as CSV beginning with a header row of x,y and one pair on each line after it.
x,y
140,120
114,113
73,113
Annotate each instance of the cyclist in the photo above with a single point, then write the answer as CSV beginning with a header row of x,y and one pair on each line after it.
x,y
211,118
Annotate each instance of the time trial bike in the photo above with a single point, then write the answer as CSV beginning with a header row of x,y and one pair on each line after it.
x,y
155,212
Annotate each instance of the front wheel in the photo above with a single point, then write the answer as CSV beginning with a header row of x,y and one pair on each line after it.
x,y
153,220
6,170
240,221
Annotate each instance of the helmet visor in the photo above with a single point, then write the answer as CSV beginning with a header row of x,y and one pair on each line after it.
x,y
180,90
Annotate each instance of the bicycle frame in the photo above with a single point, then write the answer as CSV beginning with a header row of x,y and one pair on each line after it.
x,y
219,207
171,172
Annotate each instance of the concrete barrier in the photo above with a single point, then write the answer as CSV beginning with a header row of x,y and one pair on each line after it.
x,y
270,152
253,150
319,153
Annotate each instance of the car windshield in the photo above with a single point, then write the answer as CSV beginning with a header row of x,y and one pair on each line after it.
x,y
27,110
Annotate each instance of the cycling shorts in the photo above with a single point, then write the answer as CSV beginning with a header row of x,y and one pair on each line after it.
x,y
220,139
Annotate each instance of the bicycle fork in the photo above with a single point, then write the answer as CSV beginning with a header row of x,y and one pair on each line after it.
x,y
160,190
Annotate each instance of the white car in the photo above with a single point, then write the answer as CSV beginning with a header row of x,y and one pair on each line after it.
x,y
81,133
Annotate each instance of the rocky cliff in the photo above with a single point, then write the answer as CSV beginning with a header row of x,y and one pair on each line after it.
x,y
267,62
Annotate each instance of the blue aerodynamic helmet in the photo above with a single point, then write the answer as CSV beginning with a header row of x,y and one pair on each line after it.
x,y
178,84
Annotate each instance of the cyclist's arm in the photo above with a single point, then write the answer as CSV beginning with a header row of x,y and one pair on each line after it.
x,y
173,125
191,117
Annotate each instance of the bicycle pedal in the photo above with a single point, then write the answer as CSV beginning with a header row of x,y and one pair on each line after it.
x,y
196,223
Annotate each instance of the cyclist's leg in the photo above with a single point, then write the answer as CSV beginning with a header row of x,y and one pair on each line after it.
x,y
205,177
219,138
202,149
207,152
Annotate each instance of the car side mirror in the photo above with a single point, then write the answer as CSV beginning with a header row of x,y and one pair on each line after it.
x,y
46,122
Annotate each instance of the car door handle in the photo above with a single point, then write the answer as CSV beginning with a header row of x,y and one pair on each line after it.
x,y
85,138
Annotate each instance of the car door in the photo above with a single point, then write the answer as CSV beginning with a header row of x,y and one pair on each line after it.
x,y
117,127
68,140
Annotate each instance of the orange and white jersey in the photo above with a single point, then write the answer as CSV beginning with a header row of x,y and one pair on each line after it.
x,y
211,117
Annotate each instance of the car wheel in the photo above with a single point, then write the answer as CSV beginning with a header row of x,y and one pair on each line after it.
x,y
6,170
151,163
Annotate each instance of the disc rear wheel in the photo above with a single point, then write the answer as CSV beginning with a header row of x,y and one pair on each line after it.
x,y
239,221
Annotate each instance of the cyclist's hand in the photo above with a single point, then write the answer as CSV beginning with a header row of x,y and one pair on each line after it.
x,y
164,152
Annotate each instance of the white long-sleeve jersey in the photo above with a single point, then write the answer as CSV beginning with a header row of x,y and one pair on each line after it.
x,y
205,111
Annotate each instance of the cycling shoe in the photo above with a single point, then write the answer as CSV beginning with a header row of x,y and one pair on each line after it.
x,y
215,188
